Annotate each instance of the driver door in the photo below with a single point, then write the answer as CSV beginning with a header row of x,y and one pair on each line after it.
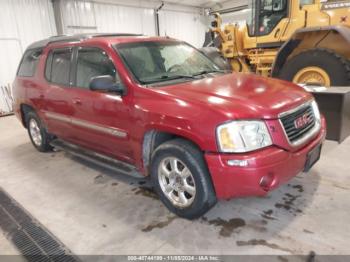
x,y
271,20
101,120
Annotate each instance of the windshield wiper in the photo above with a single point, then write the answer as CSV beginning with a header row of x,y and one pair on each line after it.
x,y
169,77
204,72
176,76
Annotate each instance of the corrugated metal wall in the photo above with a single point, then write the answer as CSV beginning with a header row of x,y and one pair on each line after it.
x,y
124,19
233,17
190,27
239,17
224,5
25,21
86,16
21,23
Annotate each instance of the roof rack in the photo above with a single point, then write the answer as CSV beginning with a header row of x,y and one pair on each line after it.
x,y
74,38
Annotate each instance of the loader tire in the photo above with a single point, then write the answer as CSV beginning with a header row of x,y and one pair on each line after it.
x,y
317,66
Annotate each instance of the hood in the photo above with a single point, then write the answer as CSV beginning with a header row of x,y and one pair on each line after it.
x,y
243,96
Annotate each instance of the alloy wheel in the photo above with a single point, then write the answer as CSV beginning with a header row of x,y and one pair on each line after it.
x,y
176,182
35,132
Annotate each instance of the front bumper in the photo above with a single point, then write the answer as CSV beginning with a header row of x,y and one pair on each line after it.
x,y
272,164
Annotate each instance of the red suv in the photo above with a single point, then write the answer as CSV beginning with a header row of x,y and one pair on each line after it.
x,y
158,107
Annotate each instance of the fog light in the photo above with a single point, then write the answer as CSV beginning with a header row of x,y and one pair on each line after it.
x,y
241,163
267,181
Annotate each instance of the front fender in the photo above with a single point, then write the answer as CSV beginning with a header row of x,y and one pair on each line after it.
x,y
184,131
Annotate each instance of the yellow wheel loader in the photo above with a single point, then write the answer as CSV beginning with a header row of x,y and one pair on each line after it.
x,y
304,41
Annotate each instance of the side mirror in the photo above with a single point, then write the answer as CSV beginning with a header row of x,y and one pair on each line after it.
x,y
106,83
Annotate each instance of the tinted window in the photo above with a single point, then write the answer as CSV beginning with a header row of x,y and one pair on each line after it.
x,y
60,63
29,63
270,13
93,62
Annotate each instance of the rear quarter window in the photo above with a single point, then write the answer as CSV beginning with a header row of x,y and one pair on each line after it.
x,y
29,63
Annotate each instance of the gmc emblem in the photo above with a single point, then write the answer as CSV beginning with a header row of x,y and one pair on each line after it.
x,y
302,121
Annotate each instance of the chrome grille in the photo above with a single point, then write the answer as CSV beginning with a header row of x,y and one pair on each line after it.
x,y
288,121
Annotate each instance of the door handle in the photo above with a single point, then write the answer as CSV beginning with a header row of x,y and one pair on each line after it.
x,y
77,101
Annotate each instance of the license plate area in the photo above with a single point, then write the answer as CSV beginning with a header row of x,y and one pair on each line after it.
x,y
312,157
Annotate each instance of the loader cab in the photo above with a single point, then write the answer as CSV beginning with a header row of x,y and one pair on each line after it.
x,y
265,16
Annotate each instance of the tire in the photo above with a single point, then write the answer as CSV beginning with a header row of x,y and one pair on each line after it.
x,y
42,145
188,156
336,66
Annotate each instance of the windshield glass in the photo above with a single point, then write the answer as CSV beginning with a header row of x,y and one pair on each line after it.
x,y
152,62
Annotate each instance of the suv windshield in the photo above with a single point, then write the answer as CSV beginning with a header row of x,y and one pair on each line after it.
x,y
152,62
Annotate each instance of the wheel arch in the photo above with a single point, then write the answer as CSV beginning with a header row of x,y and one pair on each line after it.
x,y
25,109
155,137
335,38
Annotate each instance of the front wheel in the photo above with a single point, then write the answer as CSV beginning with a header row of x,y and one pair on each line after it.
x,y
181,178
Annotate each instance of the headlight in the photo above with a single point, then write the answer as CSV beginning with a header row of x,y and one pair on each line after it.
x,y
243,136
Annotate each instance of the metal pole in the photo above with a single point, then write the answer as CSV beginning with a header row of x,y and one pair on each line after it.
x,y
57,11
156,14
229,10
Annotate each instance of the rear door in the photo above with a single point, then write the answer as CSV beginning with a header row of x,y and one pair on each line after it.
x,y
58,108
101,121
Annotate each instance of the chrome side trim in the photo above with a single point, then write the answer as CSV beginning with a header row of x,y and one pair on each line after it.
x,y
99,128
88,125
58,117
306,136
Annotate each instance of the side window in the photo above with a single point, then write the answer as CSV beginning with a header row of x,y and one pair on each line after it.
x,y
271,13
307,2
29,63
58,66
251,17
92,62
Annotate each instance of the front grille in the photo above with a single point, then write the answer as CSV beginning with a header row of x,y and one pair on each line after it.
x,y
293,132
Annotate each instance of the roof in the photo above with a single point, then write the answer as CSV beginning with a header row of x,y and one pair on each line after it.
x,y
75,38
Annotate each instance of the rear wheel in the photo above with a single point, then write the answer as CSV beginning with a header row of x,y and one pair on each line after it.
x,y
317,66
181,179
37,133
